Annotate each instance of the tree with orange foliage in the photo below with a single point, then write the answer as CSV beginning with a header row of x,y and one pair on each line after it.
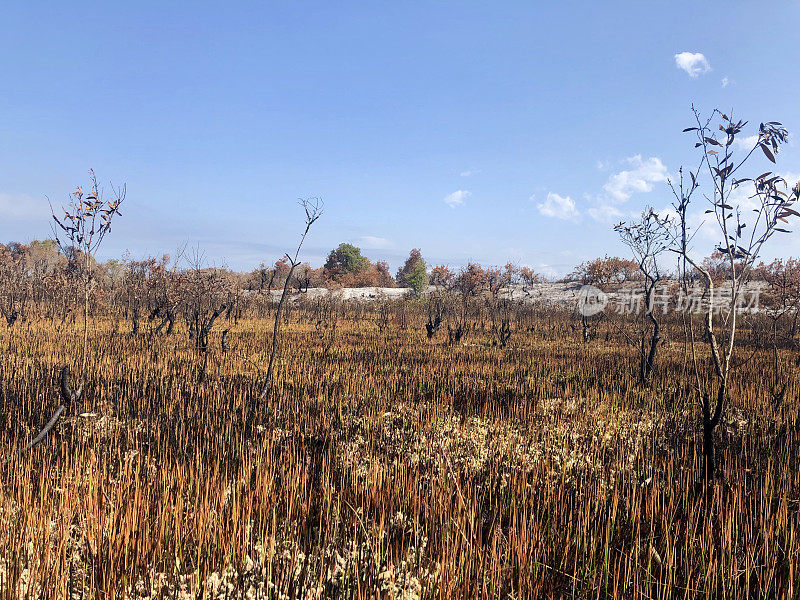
x,y
607,270
383,278
442,277
530,277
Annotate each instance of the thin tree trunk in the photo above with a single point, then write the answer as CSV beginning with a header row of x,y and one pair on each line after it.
x,y
85,329
275,331
710,423
709,461
651,355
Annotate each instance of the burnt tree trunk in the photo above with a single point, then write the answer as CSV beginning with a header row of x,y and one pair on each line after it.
x,y
709,459
710,423
649,358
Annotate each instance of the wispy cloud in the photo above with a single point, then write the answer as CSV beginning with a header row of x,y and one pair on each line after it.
x,y
372,242
20,207
726,82
457,198
694,63
547,270
747,143
603,165
558,207
606,213
792,178
639,178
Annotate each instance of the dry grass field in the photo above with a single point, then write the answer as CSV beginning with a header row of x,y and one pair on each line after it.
x,y
399,301
385,465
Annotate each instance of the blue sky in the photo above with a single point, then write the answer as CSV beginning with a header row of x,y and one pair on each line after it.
x,y
473,130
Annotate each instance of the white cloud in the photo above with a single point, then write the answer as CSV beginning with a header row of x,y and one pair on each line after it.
x,y
515,254
620,186
694,63
792,179
22,207
558,207
725,81
640,178
457,198
372,242
747,143
606,213
547,270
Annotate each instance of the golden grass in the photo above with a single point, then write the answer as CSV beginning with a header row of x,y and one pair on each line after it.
x,y
387,466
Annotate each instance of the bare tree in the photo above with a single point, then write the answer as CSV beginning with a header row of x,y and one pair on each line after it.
x,y
325,316
435,315
746,218
135,290
504,333
469,284
648,238
782,296
165,293
382,315
313,209
15,283
496,281
205,293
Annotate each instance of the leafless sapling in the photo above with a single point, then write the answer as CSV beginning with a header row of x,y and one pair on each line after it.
x,y
313,210
648,239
